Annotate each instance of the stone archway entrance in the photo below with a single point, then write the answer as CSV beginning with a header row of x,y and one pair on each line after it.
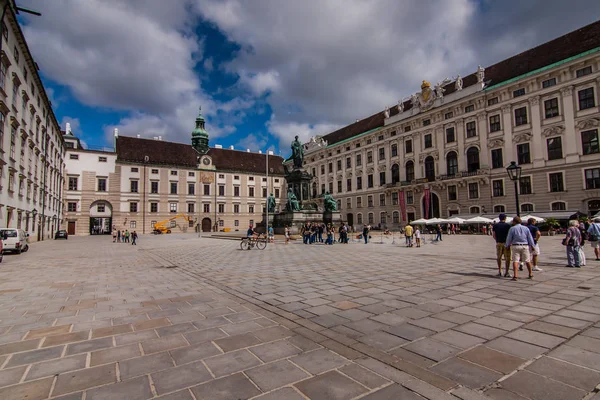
x,y
206,225
100,218
434,206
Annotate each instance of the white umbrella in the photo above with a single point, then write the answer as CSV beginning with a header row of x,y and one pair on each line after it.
x,y
456,220
496,220
435,221
421,221
478,220
537,219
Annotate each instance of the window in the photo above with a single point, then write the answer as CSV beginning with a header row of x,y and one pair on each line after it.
x,y
16,54
2,75
190,208
521,116
382,199
206,190
430,169
495,123
330,187
264,192
410,199
428,141
382,178
236,222
358,182
358,160
348,162
407,128
73,183
558,206
154,171
102,184
173,207
381,153
382,217
330,167
133,185
276,192
174,173
339,165
556,182
492,101
369,157
380,137
589,141
370,181
191,189
410,216
359,202
206,208
473,191
395,173
523,154
236,191
369,201
221,190
527,207
452,163
499,209
525,185
74,156
497,161
448,115
133,207
426,122
394,150
339,186
250,191
394,198
592,178
410,171
498,188
551,108
450,137
101,207
71,206
154,187
474,210
519,92
134,170
472,159
452,194
191,173
173,187
236,208
408,146
548,82
471,129
348,185
583,71
586,98
554,148
396,217
153,207
221,208
469,108
251,208
322,169
221,176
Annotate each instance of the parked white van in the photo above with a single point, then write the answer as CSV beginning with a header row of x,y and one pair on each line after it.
x,y
14,239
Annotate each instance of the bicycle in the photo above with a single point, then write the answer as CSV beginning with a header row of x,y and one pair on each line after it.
x,y
259,241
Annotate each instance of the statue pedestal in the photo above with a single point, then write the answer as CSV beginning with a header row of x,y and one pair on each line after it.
x,y
296,219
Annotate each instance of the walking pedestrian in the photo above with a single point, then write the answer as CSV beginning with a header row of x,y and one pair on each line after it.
x,y
584,237
408,233
500,233
126,236
330,232
134,237
418,236
438,231
306,233
271,235
536,235
594,237
365,233
119,236
573,241
320,230
114,235
287,234
520,242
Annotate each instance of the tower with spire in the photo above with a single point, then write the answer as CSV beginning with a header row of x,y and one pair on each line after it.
x,y
199,135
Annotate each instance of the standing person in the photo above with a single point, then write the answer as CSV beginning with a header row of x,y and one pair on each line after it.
x,y
330,233
408,233
321,229
519,240
535,234
345,233
584,236
271,235
500,233
418,236
438,231
365,233
573,241
114,235
126,236
134,237
287,234
119,236
594,236
306,233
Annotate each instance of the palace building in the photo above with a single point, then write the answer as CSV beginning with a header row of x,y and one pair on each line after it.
x,y
443,151
190,187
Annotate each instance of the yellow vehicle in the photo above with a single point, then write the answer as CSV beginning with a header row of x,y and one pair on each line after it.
x,y
165,226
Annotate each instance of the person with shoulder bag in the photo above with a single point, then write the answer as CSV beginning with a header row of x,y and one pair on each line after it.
x,y
594,236
573,241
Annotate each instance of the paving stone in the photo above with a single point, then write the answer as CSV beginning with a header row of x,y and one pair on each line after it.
x,y
570,374
19,346
330,386
536,338
236,342
175,329
458,339
286,393
145,365
382,340
376,308
329,320
411,357
303,343
53,330
34,390
586,343
433,324
409,332
11,376
389,319
89,345
205,335
319,361
482,331
364,326
354,314
466,373
180,377
516,316
503,394
578,315
392,392
492,359
111,330
592,332
233,387
276,374
500,323
317,301
65,338
577,356
34,356
84,379
464,393
409,312
241,316
570,322
229,363
151,324
272,333
164,343
114,354
211,323
364,376
195,352
427,390
472,311
552,329
456,318
134,389
275,351
55,367
544,389
516,347
136,337
432,349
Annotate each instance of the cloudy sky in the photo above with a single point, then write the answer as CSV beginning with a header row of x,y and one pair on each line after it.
x,y
266,70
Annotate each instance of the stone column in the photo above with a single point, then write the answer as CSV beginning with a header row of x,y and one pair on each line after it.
x,y
509,154
537,144
568,107
440,168
417,153
460,138
482,132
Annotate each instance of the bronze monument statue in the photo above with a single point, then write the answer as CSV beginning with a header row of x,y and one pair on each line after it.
x,y
292,201
329,203
271,203
297,153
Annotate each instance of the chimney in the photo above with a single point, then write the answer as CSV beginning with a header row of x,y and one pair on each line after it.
x,y
260,152
155,137
247,150
160,138
231,147
116,132
138,135
68,129
218,146
270,152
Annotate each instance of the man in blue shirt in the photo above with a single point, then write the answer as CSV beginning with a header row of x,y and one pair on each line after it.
x,y
250,232
519,241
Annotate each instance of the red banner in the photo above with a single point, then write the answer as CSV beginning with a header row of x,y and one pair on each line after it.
x,y
402,203
427,199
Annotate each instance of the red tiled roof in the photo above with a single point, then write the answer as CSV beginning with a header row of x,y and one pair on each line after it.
x,y
236,160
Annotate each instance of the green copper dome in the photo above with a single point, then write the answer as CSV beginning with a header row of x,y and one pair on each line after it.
x,y
199,135
199,130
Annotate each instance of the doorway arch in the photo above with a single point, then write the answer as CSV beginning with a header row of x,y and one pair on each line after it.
x,y
100,218
206,225
434,206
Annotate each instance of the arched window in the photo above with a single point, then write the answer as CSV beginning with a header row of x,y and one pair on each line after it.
x,y
499,209
452,163
593,207
472,159
396,217
430,168
370,218
527,207
339,205
359,218
395,173
382,217
474,210
558,206
410,171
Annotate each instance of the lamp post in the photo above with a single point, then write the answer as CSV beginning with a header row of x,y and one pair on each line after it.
x,y
514,173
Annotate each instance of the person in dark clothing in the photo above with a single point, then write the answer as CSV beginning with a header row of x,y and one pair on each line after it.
x,y
365,233
500,233
134,237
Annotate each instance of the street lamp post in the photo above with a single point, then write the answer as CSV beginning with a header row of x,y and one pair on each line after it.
x,y
514,173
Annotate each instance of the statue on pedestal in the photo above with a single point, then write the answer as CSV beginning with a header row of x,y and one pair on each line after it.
x,y
271,203
297,153
292,201
329,203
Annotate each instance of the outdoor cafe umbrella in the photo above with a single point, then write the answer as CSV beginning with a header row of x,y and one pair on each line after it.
x,y
537,219
421,221
456,220
478,220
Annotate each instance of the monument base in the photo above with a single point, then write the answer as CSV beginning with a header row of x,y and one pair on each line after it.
x,y
296,219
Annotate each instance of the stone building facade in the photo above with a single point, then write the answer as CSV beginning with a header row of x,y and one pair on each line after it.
x,y
31,147
144,181
443,151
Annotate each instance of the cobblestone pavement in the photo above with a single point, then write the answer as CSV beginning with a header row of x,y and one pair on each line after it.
x,y
181,317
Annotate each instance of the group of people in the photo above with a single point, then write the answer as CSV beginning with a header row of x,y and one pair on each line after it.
x,y
124,237
577,234
322,233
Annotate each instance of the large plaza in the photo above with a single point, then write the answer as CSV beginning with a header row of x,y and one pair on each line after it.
x,y
181,316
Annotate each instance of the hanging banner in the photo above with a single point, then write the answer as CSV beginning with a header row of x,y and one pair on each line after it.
x,y
427,200
402,203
